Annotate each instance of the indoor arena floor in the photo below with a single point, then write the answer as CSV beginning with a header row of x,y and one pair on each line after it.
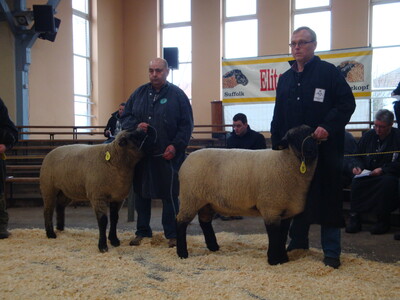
x,y
382,248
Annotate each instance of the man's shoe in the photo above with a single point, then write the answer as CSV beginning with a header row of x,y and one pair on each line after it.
x,y
354,225
136,241
171,243
397,236
332,262
237,217
225,218
380,228
4,234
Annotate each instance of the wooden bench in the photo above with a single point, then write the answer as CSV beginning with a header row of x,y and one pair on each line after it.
x,y
23,167
27,157
10,180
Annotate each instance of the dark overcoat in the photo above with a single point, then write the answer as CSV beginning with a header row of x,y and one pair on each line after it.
x,y
318,96
169,113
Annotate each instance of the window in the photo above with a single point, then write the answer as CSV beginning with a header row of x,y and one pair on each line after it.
x,y
315,14
177,32
81,50
386,47
241,29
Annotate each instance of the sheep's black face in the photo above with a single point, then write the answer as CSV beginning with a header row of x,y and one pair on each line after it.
x,y
131,137
301,141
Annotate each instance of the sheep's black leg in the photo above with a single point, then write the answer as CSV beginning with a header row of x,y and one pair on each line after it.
x,y
102,222
48,210
60,210
112,235
277,235
209,235
181,244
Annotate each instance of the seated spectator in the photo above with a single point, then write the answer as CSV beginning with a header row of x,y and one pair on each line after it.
x,y
243,137
113,125
378,191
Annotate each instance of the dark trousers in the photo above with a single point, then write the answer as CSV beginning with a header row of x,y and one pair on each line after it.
x,y
169,211
378,194
3,210
330,237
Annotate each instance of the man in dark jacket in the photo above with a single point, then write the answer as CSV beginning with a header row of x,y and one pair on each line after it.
x,y
164,108
313,92
243,136
377,192
114,125
8,137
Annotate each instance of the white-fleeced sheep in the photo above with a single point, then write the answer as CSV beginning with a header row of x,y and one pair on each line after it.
x,y
100,174
237,182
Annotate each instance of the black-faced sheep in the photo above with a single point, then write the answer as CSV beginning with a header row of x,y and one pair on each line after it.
x,y
100,174
236,182
233,78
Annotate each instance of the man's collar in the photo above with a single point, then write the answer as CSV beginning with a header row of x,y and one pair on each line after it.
x,y
293,63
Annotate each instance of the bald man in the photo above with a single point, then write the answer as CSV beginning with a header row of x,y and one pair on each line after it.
x,y
163,108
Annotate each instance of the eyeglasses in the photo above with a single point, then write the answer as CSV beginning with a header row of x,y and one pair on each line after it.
x,y
300,44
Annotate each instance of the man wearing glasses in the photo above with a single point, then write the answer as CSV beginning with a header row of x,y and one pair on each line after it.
x,y
313,92
375,187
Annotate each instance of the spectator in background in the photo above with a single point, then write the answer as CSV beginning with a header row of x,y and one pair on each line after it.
x,y
243,137
8,138
378,191
163,107
396,104
114,125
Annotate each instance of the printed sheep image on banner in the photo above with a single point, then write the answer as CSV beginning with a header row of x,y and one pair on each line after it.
x,y
269,183
101,174
234,78
352,70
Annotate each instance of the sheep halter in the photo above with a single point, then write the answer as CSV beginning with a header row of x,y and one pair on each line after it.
x,y
303,167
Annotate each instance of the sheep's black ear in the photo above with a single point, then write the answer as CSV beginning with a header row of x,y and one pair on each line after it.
x,y
283,144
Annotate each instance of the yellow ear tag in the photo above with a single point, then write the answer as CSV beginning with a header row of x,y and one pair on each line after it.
x,y
108,156
303,167
3,156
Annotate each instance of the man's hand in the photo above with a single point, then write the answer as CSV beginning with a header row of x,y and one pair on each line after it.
x,y
169,152
2,148
320,134
376,172
357,171
143,126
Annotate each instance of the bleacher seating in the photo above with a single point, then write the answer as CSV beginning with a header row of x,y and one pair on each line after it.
x,y
25,159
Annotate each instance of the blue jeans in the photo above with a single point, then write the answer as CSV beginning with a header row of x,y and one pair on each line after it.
x,y
169,211
330,237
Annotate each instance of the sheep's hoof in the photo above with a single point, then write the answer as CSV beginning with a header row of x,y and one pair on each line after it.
x,y
182,253
103,250
115,242
51,234
282,260
213,248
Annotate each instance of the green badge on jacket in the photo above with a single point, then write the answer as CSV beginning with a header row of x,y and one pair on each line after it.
x,y
163,100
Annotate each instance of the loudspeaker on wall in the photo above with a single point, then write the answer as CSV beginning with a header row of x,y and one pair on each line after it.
x,y
44,18
171,56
